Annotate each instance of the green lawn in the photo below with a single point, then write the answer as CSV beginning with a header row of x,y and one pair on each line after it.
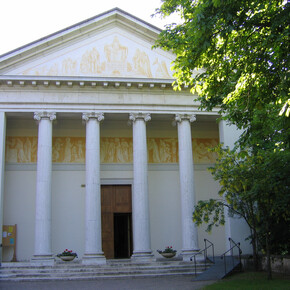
x,y
252,280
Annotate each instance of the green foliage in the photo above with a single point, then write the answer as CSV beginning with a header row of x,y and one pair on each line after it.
x,y
240,49
254,187
67,252
167,250
209,211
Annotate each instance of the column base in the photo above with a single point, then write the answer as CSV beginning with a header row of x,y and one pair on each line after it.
x,y
145,257
187,255
42,260
94,259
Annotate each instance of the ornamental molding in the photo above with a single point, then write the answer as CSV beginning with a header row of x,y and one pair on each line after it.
x,y
185,117
44,115
93,115
137,116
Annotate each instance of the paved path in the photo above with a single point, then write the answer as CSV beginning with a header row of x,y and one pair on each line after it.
x,y
170,283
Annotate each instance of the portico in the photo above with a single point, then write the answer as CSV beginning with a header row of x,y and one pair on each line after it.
x,y
127,170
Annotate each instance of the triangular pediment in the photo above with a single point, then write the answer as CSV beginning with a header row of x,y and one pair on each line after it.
x,y
112,45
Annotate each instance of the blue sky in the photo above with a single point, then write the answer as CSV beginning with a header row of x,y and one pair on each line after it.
x,y
23,21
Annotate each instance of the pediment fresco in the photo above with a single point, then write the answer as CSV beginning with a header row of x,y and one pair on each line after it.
x,y
113,55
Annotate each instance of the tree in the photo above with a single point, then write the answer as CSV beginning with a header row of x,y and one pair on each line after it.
x,y
254,187
240,50
235,55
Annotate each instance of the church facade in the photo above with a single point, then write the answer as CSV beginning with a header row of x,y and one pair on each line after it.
x,y
98,153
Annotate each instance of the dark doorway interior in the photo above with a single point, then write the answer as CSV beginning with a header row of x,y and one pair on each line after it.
x,y
122,235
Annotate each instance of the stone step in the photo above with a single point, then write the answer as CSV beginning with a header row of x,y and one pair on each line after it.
x,y
77,271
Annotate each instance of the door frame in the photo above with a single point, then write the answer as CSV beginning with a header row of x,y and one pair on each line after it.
x,y
116,182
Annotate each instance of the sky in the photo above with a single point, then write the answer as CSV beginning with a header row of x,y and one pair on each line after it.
x,y
24,21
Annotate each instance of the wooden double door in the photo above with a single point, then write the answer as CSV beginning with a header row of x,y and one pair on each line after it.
x,y
116,221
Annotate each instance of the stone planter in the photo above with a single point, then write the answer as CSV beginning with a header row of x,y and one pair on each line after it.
x,y
67,258
168,255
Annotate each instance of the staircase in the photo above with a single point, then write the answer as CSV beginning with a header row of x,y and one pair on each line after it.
x,y
223,265
113,269
220,269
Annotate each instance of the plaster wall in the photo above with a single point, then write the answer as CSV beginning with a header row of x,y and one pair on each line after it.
x,y
236,228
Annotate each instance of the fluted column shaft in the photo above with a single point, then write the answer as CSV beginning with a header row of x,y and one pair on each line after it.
x,y
93,243
140,199
186,175
42,244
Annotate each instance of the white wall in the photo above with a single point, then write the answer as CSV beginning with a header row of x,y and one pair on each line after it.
x,y
236,228
164,204
19,208
68,211
206,188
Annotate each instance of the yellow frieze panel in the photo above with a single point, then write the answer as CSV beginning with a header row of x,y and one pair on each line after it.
x,y
113,150
21,149
112,58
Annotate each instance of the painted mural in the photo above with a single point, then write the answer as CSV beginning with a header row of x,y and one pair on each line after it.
x,y
111,59
112,150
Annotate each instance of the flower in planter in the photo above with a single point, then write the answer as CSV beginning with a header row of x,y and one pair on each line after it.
x,y
167,250
67,252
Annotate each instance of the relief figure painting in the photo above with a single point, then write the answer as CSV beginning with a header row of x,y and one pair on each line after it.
x,y
112,150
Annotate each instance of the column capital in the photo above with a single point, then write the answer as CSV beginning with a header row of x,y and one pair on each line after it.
x,y
181,117
134,116
44,115
93,115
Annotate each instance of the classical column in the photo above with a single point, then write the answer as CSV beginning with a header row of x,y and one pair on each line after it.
x,y
186,175
42,246
2,170
140,201
93,244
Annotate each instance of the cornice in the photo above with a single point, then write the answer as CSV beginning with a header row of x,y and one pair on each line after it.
x,y
81,82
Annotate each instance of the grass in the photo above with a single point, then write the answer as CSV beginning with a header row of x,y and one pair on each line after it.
x,y
252,281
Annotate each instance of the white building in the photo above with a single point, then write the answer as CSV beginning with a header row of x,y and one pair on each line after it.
x,y
98,153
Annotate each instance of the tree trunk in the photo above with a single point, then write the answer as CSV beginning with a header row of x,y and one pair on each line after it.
x,y
255,250
269,269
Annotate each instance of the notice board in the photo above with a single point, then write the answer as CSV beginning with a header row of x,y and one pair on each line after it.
x,y
9,236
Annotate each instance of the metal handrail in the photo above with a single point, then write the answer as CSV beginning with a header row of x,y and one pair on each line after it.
x,y
207,247
231,250
204,251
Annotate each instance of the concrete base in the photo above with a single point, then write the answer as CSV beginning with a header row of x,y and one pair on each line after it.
x,y
144,257
94,259
42,260
188,255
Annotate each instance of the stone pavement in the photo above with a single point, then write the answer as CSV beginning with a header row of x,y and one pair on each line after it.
x,y
169,283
